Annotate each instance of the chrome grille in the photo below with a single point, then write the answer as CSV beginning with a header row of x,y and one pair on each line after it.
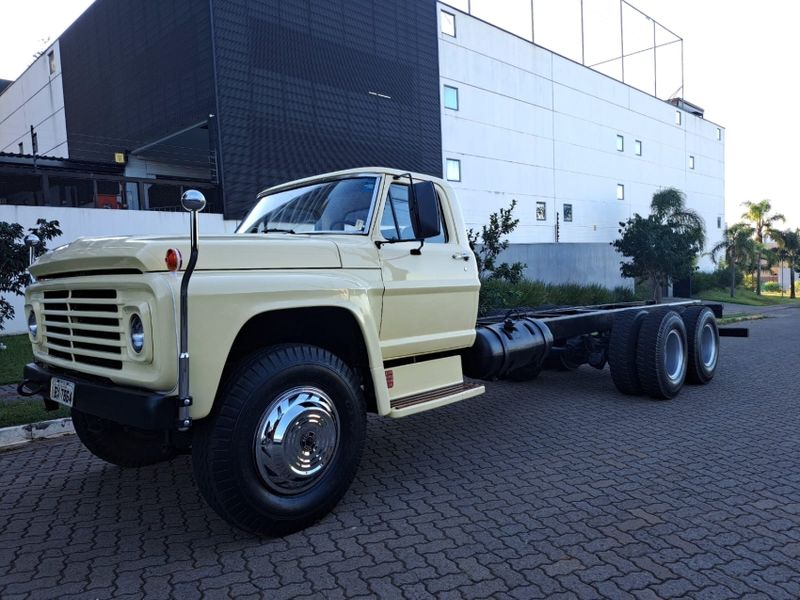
x,y
84,326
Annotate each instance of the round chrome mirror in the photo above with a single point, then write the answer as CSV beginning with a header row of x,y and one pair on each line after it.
x,y
32,240
193,201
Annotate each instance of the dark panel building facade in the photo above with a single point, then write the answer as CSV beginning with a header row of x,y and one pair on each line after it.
x,y
245,94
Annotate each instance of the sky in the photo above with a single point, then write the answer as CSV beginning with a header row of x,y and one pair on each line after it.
x,y
739,65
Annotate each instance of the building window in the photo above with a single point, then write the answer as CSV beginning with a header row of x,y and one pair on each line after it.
x,y
620,192
678,117
51,60
541,211
620,143
719,222
691,162
453,169
719,133
638,147
568,213
448,23
450,97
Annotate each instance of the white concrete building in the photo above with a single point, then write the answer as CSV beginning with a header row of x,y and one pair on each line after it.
x,y
525,123
35,99
518,122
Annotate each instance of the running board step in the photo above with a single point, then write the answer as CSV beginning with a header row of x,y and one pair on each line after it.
x,y
438,394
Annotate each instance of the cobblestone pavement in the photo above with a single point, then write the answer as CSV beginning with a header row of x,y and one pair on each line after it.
x,y
556,488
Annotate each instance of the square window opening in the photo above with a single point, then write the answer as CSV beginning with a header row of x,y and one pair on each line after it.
x,y
448,23
453,169
638,147
541,211
51,61
451,97
620,143
719,222
620,192
719,133
691,162
568,213
678,117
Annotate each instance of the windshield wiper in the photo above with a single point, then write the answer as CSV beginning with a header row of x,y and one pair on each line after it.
x,y
276,230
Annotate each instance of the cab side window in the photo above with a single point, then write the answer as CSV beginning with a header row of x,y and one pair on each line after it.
x,y
396,218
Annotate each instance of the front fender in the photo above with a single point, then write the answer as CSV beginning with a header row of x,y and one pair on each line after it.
x,y
221,303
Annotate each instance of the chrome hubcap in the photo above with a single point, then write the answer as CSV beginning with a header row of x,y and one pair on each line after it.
x,y
674,356
296,440
708,346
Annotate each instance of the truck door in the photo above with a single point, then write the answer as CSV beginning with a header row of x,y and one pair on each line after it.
x,y
430,300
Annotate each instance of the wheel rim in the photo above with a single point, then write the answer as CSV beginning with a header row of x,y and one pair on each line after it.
x,y
296,440
674,356
708,346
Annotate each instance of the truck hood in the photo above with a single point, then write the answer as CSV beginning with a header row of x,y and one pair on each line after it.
x,y
217,253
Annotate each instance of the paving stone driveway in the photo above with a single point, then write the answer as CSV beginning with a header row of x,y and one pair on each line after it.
x,y
560,487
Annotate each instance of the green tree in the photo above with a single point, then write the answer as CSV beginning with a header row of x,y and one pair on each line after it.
x,y
738,248
14,259
789,251
758,213
490,242
664,245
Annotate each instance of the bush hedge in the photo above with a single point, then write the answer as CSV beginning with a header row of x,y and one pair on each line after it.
x,y
496,294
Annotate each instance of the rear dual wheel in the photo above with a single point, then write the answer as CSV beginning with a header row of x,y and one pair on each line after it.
x,y
662,354
655,352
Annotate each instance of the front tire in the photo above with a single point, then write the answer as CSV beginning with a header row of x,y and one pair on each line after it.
x,y
121,445
284,440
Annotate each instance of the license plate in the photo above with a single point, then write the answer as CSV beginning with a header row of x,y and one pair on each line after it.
x,y
62,391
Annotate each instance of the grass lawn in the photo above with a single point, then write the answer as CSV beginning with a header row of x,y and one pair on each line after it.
x,y
747,297
29,411
14,357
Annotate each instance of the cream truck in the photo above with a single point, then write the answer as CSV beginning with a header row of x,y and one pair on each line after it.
x,y
262,352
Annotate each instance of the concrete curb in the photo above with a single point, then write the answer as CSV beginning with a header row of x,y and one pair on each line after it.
x,y
22,434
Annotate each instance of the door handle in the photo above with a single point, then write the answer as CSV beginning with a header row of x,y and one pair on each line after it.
x,y
462,256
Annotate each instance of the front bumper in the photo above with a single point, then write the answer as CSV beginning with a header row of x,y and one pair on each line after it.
x,y
143,409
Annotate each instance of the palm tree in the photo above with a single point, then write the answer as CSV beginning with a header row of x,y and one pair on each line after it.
x,y
789,250
763,224
738,247
669,208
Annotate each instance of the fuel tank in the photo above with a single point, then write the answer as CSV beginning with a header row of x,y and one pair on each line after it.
x,y
501,348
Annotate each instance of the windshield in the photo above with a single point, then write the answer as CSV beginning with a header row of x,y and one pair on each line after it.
x,y
340,206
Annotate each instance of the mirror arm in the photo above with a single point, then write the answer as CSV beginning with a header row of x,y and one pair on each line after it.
x,y
418,251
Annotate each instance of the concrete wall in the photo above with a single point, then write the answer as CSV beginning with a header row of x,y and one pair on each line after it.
x,y
36,98
582,263
92,222
536,127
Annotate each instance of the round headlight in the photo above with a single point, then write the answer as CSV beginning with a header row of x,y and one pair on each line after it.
x,y
33,326
137,334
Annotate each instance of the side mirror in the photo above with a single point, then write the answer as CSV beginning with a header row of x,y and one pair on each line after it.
x,y
424,209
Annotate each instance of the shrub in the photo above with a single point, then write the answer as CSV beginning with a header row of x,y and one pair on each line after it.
x,y
497,295
771,286
717,280
490,242
14,259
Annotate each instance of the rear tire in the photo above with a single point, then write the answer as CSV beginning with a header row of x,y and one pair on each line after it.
x,y
702,339
662,355
284,440
622,351
120,445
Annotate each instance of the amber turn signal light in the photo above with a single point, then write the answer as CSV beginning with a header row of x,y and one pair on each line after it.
x,y
173,259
